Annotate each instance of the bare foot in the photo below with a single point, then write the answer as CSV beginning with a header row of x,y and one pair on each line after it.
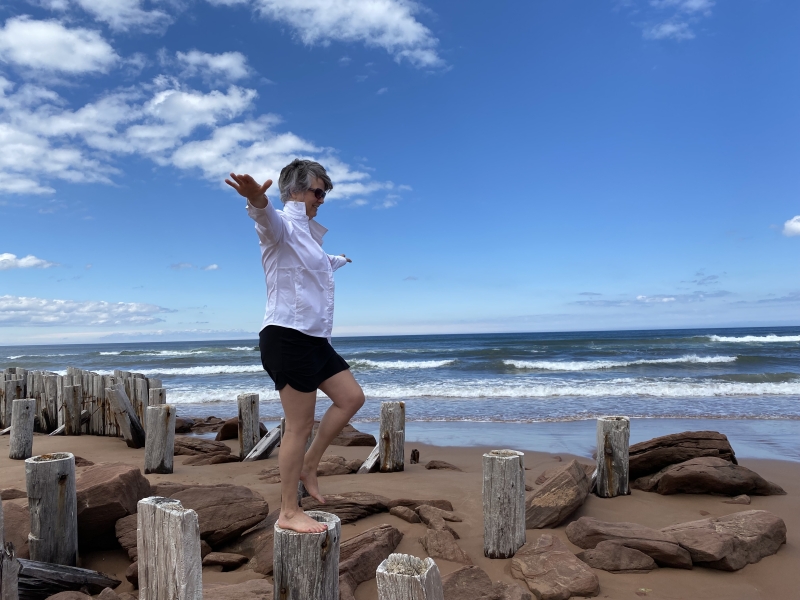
x,y
300,522
309,479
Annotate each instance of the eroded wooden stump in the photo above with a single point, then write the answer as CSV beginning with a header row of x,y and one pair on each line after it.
x,y
503,503
406,577
613,438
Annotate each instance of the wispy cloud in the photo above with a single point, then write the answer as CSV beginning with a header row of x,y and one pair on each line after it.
x,y
667,19
388,24
213,267
125,15
227,66
10,261
181,266
382,91
669,30
792,227
656,299
22,311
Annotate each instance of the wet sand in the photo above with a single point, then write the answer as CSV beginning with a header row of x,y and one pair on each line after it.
x,y
775,578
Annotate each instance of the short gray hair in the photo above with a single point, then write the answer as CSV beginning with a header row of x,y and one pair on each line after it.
x,y
296,177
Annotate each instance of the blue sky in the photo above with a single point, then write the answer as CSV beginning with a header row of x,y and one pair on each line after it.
x,y
504,166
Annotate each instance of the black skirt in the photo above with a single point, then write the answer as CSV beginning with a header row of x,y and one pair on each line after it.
x,y
302,361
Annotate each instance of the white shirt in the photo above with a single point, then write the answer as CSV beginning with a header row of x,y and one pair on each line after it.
x,y
298,272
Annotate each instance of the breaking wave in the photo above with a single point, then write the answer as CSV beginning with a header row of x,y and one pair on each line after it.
x,y
594,365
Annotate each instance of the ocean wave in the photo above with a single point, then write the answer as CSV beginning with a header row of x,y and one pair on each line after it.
x,y
243,348
154,353
622,387
755,338
39,355
399,364
594,365
209,370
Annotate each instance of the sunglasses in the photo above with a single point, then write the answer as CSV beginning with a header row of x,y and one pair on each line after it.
x,y
319,193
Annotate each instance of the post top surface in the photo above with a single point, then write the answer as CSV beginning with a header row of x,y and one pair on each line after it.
x,y
504,453
52,456
329,519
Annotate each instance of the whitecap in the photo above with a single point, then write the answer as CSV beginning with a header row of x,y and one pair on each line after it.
x,y
755,338
400,364
594,365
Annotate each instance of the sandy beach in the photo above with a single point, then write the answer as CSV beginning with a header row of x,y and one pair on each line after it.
x,y
774,577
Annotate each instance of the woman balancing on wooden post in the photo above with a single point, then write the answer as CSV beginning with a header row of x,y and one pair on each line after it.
x,y
295,336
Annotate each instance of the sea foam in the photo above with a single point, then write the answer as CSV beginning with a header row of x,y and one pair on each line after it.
x,y
755,338
595,365
399,364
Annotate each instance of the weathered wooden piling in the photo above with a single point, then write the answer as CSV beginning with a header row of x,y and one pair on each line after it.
x,y
306,565
157,396
71,395
406,577
168,544
613,439
371,464
52,502
127,422
249,428
159,447
50,402
23,413
9,395
392,437
503,503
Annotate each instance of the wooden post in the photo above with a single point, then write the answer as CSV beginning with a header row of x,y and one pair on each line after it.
x,y
168,544
406,577
503,503
50,402
10,395
392,436
157,396
249,430
127,421
613,438
22,414
159,447
265,446
306,565
72,409
53,505
142,393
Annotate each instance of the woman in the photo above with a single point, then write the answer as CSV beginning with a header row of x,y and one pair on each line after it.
x,y
295,336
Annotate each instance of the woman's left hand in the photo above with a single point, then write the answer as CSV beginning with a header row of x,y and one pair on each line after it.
x,y
348,259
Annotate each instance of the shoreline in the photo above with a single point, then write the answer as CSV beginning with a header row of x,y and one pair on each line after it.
x,y
763,439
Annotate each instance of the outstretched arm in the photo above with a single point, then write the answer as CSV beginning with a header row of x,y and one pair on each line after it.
x,y
249,188
338,261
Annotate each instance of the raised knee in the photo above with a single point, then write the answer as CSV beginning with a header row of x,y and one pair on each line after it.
x,y
302,428
357,401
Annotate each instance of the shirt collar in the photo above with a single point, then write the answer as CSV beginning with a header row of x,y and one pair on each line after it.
x,y
296,211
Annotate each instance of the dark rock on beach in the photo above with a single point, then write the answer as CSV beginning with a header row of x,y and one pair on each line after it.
x,y
107,492
350,436
230,430
653,455
193,446
473,583
708,475
616,558
12,494
183,425
731,542
405,513
227,560
442,465
414,504
560,496
552,572
360,556
442,544
349,506
661,546
254,589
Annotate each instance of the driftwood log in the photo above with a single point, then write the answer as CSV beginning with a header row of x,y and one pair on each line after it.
x,y
613,438
159,447
503,503
392,436
265,446
52,502
23,413
406,577
371,464
249,428
127,421
168,545
32,580
306,565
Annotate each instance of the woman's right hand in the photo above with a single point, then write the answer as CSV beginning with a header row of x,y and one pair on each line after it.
x,y
249,188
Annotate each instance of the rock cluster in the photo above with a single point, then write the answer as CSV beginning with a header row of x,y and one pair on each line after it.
x,y
329,465
472,583
727,543
653,455
552,572
561,495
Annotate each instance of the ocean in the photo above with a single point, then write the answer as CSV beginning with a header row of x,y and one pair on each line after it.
x,y
751,373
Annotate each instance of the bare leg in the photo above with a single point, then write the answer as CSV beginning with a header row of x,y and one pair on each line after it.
x,y
347,397
298,407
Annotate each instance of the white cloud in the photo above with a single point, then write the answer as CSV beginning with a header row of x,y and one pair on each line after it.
x,y
383,90
673,30
229,66
123,15
51,47
792,227
651,299
181,266
688,6
387,24
19,310
10,261
213,267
